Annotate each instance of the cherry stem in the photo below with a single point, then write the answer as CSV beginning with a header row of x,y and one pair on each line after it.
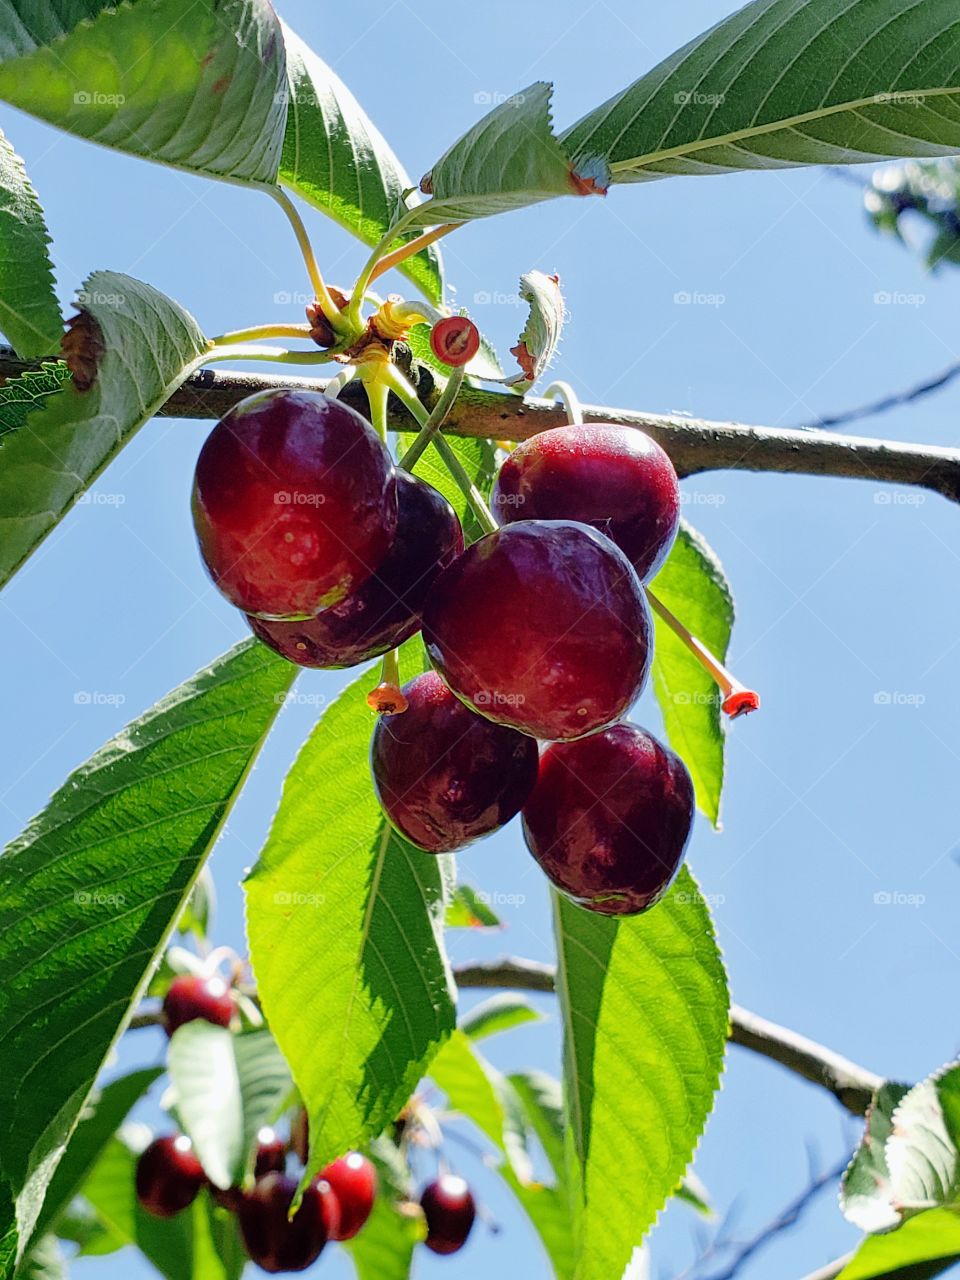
x,y
564,392
366,275
409,249
377,394
258,331
335,385
406,394
436,420
737,698
279,355
327,305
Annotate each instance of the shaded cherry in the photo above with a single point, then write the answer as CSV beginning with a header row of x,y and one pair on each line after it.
x,y
609,819
190,996
294,503
273,1240
168,1176
443,774
385,610
541,625
353,1180
271,1154
614,478
449,1210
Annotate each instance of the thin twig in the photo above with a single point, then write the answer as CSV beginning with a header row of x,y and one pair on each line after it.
x,y
852,1085
895,400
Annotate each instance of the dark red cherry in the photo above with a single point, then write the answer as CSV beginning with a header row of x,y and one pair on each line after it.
x,y
271,1154
542,625
274,1241
168,1176
294,503
614,478
609,819
385,610
191,996
443,774
449,1210
353,1180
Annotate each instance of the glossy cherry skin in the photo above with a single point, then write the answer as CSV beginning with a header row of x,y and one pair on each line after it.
x,y
353,1180
191,996
449,1210
277,1243
614,478
385,610
609,819
542,625
168,1176
271,1154
444,775
294,503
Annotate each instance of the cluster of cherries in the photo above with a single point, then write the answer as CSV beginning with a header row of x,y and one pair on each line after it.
x,y
540,630
335,1205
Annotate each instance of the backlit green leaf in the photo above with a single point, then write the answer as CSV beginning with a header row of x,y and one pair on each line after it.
x,y
29,310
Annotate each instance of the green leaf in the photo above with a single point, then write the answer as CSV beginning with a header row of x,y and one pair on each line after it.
x,y
645,1008
788,82
865,1189
199,1244
52,455
500,1013
199,84
29,310
336,158
20,396
469,910
921,1152
44,1261
538,341
227,1088
509,159
542,1099
385,1247
345,924
930,1237
693,586
102,1115
478,1091
549,1211
91,890
479,457
197,916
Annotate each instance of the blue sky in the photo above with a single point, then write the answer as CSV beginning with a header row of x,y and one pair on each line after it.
x,y
840,792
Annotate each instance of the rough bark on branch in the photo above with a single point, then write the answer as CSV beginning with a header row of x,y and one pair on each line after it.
x,y
694,444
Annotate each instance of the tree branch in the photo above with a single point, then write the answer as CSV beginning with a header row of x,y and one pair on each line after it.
x,y
895,400
695,445
853,1086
